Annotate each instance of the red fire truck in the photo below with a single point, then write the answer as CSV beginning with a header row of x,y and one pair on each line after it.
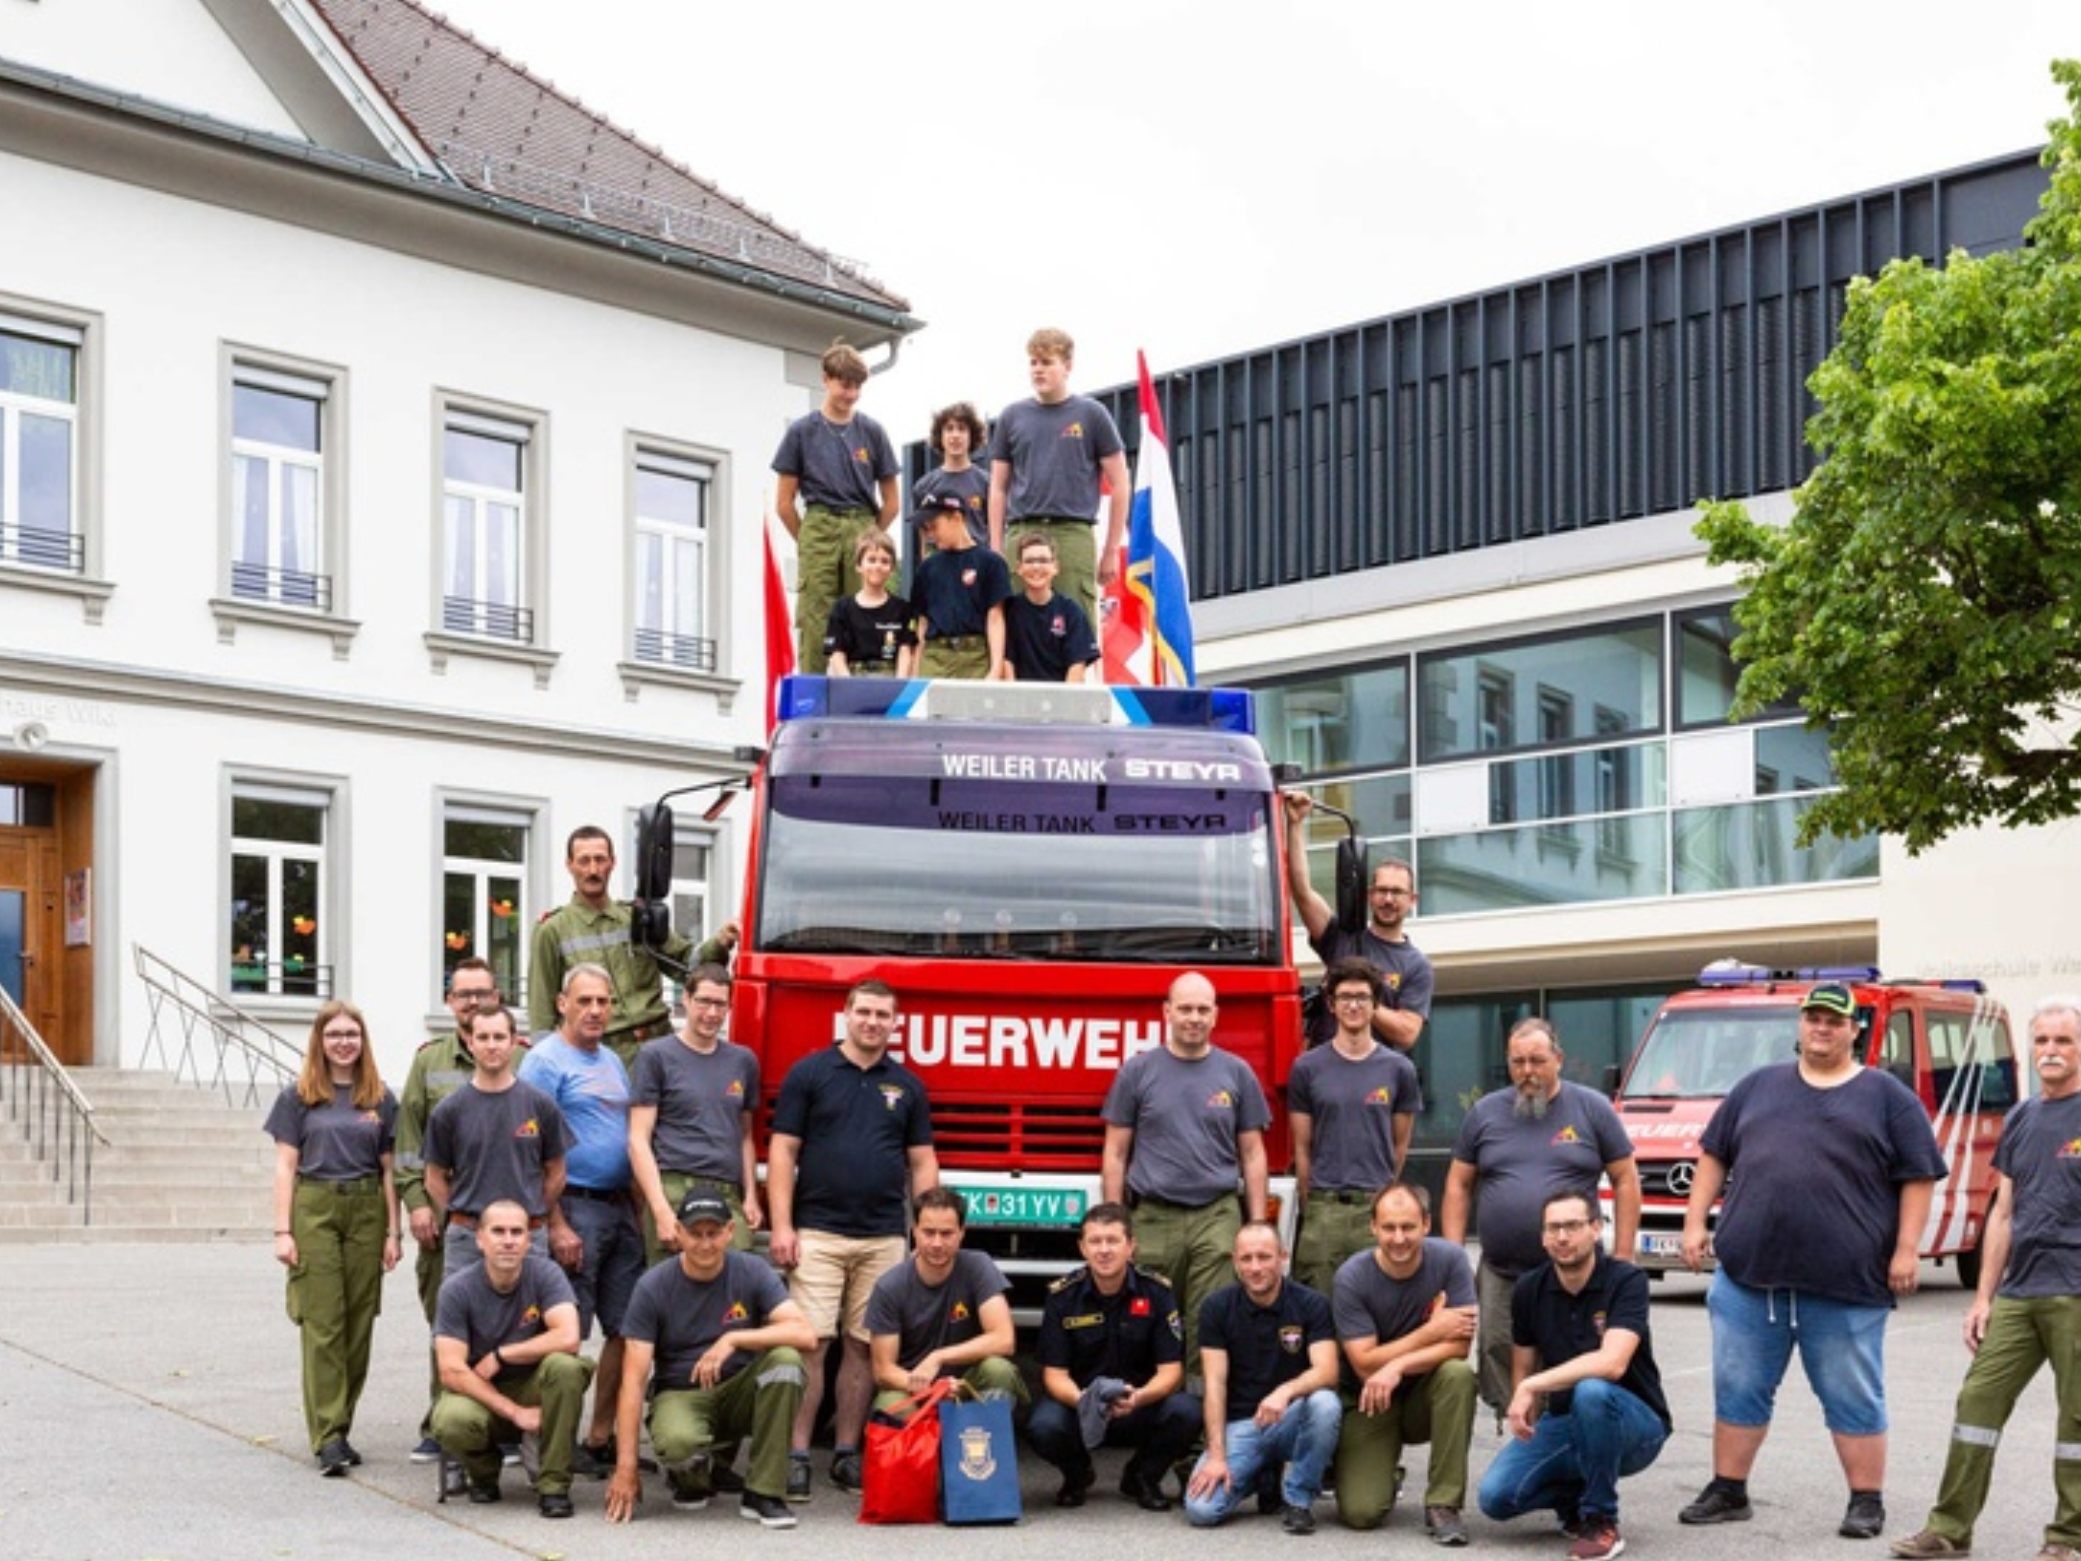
x,y
1029,867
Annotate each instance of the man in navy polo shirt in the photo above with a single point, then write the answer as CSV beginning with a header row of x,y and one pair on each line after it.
x,y
851,1140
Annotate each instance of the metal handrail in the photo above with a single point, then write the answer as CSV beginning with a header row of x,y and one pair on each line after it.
x,y
56,1118
208,1016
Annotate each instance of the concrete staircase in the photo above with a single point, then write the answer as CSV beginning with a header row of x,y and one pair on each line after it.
x,y
181,1165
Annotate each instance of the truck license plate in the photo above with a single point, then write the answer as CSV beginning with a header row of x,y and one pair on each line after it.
x,y
1032,1206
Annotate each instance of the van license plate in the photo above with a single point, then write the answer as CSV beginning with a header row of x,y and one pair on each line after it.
x,y
1652,1245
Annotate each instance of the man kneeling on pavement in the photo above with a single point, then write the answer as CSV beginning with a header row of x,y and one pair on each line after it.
x,y
505,1343
716,1330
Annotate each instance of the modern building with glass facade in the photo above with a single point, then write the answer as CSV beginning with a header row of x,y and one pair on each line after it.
x,y
1452,549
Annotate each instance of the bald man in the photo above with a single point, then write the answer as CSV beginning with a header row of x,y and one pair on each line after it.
x,y
1184,1126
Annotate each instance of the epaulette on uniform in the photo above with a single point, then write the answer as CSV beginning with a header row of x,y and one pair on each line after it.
x,y
1068,1279
1150,1273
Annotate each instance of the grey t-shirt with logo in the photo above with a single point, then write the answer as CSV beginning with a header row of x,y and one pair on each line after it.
x,y
837,465
701,1100
1520,1162
495,1146
1055,453
681,1317
1368,1301
1185,1117
472,1310
1352,1106
2041,1153
338,1141
924,1317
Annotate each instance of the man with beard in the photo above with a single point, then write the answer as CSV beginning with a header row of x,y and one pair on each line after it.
x,y
1538,1136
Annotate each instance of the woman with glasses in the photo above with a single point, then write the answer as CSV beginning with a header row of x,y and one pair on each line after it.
x,y
336,1218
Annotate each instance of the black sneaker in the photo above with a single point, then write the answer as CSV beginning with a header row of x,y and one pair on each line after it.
x,y
798,1479
1717,1504
1145,1492
353,1457
1445,1526
1076,1484
334,1458
845,1472
485,1494
554,1504
766,1511
1863,1518
593,1463
1297,1520
428,1451
728,1482
691,1498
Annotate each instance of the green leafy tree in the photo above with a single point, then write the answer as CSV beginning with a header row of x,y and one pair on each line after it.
x,y
1925,599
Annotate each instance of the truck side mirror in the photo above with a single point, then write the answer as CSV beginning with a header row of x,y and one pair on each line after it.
x,y
652,925
1611,1080
1352,876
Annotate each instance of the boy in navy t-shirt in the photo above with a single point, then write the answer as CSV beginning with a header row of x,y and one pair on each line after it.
x,y
959,600
1047,638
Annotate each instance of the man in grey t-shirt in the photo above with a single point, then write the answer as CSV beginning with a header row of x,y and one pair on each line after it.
x,y
1048,457
1184,1123
506,1345
1404,1310
942,1313
1519,1146
691,1100
495,1137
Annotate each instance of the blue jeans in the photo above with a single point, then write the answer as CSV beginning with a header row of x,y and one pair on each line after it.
x,y
1305,1439
1841,1346
1575,1460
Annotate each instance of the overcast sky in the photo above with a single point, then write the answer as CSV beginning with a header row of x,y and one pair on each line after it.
x,y
1195,179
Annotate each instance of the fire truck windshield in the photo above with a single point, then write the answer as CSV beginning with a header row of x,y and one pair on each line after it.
x,y
1701,1053
988,868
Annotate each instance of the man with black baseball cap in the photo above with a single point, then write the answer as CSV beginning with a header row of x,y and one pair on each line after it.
x,y
726,1344
1821,1230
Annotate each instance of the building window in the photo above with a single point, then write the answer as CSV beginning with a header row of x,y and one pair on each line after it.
x,y
1618,667
485,537
673,569
1333,722
484,855
279,918
279,448
39,446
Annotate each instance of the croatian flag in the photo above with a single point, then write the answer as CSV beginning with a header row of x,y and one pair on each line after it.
x,y
1155,573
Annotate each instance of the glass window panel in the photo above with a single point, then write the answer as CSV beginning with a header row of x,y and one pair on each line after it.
x,y
462,549
13,928
29,367
485,842
249,505
299,519
253,818
1897,1054
689,859
1792,758
1545,864
1593,780
1339,721
1599,1028
502,555
1605,683
458,923
1380,803
1707,671
46,473
481,459
686,589
667,497
300,974
274,417
502,922
1322,862
251,944
1749,845
650,580
10,804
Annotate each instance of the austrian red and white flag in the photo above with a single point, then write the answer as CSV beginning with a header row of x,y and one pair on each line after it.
x,y
780,630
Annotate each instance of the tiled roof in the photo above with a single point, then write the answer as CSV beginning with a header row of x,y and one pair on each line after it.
x,y
504,131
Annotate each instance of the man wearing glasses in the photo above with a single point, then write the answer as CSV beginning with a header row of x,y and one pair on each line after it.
x,y
439,1068
1351,1106
1579,1343
1404,1000
690,1116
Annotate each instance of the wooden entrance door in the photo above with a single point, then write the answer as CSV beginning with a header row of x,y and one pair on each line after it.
x,y
31,927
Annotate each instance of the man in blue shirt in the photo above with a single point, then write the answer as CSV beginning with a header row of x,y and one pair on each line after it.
x,y
593,1231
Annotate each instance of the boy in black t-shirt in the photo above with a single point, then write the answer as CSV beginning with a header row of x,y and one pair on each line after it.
x,y
868,634
1047,638
959,600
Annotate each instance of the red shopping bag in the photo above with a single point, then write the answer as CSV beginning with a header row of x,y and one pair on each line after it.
x,y
900,1464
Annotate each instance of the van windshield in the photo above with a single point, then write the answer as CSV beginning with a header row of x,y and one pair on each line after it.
x,y
993,869
1701,1053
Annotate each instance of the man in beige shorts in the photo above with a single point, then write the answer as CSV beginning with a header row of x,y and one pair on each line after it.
x,y
851,1143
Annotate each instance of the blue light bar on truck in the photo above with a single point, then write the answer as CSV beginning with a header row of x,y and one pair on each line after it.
x,y
1728,973
1072,704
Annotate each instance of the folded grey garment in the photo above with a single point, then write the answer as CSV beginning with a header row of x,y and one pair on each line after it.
x,y
1093,1403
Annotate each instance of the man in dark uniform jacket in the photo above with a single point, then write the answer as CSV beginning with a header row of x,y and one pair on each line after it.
x,y
1112,1353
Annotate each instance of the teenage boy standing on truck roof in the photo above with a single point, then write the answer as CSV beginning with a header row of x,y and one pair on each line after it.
x,y
957,437
840,463
1046,459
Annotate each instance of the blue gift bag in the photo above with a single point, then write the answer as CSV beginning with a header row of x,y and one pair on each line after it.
x,y
978,1465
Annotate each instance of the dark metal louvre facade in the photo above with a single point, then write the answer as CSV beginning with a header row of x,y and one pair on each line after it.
x,y
1596,395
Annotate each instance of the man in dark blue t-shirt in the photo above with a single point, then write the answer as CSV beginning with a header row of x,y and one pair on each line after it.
x,y
1579,1340
1268,1350
2025,1311
1047,638
851,1141
1833,1165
